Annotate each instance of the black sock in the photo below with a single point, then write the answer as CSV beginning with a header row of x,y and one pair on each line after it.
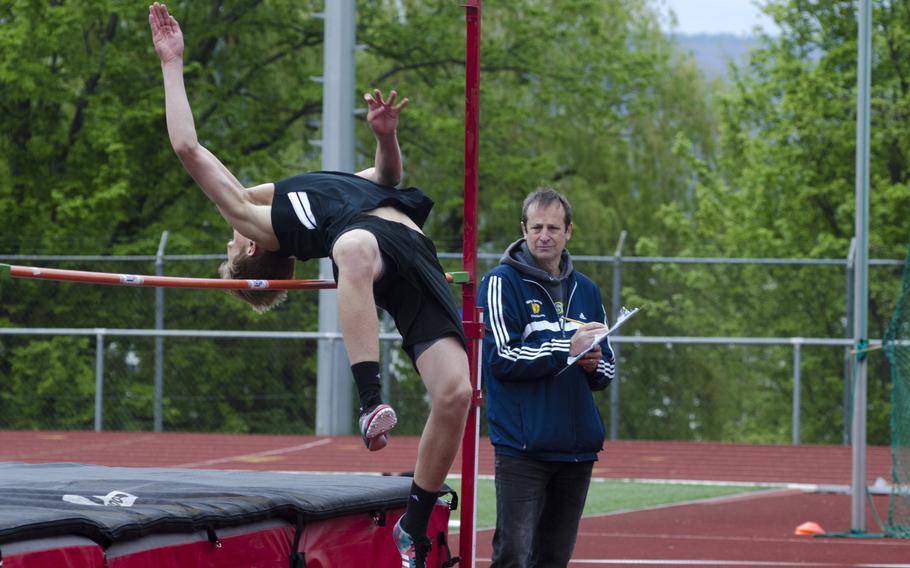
x,y
369,386
420,507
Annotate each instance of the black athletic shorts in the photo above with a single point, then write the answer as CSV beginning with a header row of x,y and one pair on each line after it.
x,y
413,286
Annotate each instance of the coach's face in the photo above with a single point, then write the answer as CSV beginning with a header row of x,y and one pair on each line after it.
x,y
546,233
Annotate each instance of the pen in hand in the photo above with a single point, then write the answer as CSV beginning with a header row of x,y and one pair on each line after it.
x,y
575,320
582,323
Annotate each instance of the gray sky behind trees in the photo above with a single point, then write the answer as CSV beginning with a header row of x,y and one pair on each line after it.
x,y
717,16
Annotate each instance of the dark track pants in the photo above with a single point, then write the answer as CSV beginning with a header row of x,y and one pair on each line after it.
x,y
538,506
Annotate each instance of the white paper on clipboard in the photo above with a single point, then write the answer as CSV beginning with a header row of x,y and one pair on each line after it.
x,y
624,314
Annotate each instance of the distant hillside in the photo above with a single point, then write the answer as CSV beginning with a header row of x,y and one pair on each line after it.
x,y
713,52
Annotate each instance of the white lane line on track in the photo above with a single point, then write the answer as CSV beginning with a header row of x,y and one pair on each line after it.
x,y
748,538
762,494
265,453
668,562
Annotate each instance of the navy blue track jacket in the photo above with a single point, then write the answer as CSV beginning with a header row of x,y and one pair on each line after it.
x,y
533,410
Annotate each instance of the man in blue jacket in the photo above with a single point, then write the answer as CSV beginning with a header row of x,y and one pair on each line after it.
x,y
544,423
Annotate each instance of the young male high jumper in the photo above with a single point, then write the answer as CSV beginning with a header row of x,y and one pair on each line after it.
x,y
371,231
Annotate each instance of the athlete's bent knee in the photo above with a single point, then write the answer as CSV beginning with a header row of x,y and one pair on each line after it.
x,y
455,398
357,255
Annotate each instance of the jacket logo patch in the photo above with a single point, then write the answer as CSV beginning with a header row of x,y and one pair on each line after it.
x,y
558,307
535,308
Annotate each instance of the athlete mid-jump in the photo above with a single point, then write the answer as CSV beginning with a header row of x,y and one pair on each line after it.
x,y
371,231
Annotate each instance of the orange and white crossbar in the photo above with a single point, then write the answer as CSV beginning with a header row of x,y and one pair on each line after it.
x,y
115,279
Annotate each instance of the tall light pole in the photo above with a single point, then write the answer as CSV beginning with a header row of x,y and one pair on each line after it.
x,y
861,272
333,381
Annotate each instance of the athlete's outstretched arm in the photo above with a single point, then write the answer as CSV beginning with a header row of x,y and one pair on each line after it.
x,y
382,117
213,177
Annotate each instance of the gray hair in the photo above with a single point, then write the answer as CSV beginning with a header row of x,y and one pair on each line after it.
x,y
542,197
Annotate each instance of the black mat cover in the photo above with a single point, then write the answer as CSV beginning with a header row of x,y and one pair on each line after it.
x,y
110,504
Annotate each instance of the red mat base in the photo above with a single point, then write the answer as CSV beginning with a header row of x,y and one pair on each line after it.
x,y
355,540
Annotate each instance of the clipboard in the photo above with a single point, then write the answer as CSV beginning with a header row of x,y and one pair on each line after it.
x,y
624,315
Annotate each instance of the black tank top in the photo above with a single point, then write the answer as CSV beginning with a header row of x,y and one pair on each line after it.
x,y
310,210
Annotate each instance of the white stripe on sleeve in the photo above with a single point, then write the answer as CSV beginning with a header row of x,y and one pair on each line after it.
x,y
501,334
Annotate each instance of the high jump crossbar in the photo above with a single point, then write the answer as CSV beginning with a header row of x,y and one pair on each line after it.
x,y
115,279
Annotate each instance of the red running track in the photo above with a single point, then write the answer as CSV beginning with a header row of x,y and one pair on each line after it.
x,y
753,531
619,460
732,532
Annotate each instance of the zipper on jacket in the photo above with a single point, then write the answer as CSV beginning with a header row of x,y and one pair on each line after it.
x,y
562,320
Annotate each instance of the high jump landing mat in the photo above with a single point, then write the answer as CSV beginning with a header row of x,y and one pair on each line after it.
x,y
70,515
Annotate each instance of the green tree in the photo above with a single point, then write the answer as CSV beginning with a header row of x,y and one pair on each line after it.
x,y
86,168
782,185
590,98
54,386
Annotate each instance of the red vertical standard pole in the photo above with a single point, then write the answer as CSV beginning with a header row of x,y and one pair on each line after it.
x,y
472,321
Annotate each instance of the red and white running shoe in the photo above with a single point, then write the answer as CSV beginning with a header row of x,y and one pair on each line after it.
x,y
375,424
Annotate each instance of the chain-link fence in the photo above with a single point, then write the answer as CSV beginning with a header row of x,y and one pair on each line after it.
x,y
689,374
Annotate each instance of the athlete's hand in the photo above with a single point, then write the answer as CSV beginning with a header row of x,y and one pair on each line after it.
x,y
382,115
166,34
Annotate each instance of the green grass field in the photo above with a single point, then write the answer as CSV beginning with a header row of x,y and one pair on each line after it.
x,y
606,496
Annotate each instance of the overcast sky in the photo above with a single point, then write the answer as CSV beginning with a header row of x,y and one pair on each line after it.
x,y
716,16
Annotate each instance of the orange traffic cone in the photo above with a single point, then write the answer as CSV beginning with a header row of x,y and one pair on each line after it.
x,y
809,528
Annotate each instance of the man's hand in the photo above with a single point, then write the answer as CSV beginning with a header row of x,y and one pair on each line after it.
x,y
383,115
166,34
590,360
580,341
585,336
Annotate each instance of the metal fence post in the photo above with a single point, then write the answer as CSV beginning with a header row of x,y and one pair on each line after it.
x,y
159,341
848,333
99,378
797,390
614,386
